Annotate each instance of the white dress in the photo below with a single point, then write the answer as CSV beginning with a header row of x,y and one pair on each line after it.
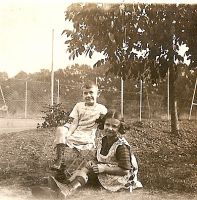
x,y
83,137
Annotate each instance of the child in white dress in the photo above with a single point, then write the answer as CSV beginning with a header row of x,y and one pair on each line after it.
x,y
79,132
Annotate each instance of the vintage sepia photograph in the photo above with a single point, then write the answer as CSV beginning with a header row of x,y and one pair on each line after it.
x,y
98,100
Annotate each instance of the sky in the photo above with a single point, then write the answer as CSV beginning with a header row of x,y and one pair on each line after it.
x,y
26,34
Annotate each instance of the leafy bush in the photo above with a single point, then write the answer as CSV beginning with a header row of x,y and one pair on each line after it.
x,y
54,116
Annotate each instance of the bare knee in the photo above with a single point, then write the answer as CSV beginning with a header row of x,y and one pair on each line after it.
x,y
61,131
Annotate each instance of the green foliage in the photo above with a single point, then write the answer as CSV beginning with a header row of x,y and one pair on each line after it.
x,y
140,41
3,76
54,116
117,30
21,75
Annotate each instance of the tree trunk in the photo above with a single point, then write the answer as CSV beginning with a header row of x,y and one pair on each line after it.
x,y
173,102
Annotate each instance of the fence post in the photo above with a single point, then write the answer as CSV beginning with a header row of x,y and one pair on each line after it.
x,y
168,93
5,106
52,70
25,99
58,91
141,85
122,97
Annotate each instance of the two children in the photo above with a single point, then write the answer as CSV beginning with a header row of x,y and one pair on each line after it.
x,y
115,166
79,132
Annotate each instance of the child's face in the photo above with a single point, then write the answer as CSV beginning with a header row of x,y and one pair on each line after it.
x,y
90,95
111,127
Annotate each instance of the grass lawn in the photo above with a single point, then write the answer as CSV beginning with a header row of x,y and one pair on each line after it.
x,y
167,164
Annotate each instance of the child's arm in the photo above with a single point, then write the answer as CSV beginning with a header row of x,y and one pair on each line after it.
x,y
73,127
112,170
123,166
72,123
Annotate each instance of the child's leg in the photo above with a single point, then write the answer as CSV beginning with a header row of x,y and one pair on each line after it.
x,y
59,142
60,136
78,181
79,178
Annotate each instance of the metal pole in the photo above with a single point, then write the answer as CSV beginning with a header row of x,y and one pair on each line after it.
x,y
168,93
58,91
141,100
2,95
25,99
4,100
52,72
122,98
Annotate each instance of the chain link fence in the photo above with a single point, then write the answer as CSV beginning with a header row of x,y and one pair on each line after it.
x,y
26,99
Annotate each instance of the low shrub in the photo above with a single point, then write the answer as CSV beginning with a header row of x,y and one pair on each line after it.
x,y
55,115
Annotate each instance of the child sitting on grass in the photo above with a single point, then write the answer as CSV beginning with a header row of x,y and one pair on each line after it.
x,y
115,166
79,132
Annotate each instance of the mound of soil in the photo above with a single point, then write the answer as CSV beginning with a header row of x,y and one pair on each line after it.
x,y
166,161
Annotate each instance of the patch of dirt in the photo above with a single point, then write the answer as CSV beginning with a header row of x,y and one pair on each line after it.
x,y
17,193
166,162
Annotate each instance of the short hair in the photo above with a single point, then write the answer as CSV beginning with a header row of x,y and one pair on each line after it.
x,y
89,84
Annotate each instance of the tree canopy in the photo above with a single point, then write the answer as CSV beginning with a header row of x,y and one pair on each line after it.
x,y
138,40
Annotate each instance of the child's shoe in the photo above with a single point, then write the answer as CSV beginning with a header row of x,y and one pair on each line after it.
x,y
63,190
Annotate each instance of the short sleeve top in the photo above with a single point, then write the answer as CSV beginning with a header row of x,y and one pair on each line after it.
x,y
87,115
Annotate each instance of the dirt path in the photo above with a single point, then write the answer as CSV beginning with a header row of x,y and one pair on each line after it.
x,y
16,193
9,125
